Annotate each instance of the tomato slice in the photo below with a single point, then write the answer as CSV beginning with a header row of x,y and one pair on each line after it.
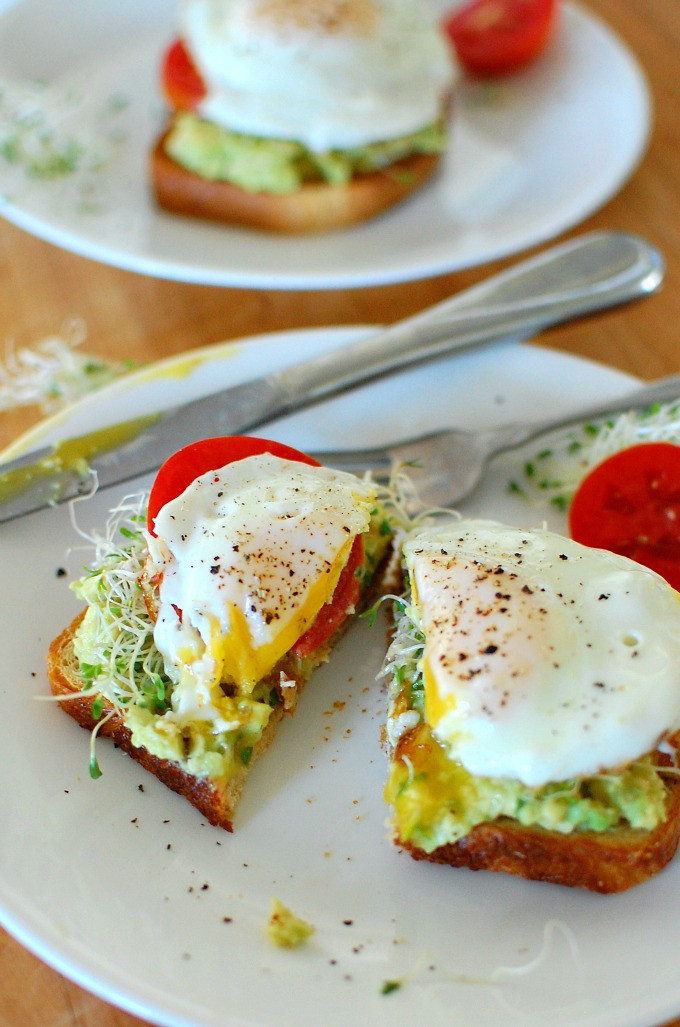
x,y
493,37
181,81
188,463
630,504
331,615
197,458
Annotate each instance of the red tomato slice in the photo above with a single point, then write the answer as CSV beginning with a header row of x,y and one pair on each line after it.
x,y
181,81
630,504
492,37
188,463
331,615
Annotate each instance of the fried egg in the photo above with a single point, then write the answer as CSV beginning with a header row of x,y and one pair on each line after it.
x,y
245,558
331,74
543,660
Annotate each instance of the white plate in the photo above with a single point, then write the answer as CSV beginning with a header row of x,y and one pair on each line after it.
x,y
121,885
529,157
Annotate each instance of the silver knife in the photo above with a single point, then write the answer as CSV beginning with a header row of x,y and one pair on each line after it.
x,y
582,276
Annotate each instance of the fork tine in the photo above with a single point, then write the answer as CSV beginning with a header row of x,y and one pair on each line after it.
x,y
443,466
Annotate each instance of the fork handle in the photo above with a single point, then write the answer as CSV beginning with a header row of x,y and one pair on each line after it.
x,y
663,390
380,460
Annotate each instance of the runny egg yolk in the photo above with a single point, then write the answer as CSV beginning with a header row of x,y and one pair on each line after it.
x,y
436,704
246,558
237,659
543,659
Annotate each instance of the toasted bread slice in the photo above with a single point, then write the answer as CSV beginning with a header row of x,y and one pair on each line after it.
x,y
603,861
315,207
609,860
216,799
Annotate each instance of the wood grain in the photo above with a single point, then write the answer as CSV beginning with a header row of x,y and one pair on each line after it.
x,y
136,317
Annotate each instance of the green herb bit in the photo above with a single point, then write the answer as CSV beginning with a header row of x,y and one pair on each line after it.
x,y
90,671
127,533
371,614
118,102
390,986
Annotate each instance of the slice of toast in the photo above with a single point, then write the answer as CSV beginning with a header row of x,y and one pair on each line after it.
x,y
315,207
606,861
602,861
216,799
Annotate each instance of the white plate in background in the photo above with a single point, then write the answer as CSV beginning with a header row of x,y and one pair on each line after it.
x,y
530,156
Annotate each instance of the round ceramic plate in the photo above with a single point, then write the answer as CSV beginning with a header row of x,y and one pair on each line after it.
x,y
530,156
122,886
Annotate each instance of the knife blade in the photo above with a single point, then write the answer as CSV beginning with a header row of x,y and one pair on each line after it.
x,y
590,273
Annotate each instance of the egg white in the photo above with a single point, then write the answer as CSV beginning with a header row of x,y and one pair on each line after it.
x,y
249,554
544,660
331,74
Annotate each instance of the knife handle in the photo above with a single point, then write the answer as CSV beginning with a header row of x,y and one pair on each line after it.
x,y
590,273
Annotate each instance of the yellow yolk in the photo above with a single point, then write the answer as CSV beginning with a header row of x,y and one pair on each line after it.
x,y
235,657
436,704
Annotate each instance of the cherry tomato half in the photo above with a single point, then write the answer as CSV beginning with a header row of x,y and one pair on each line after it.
x,y
630,504
181,81
197,458
493,37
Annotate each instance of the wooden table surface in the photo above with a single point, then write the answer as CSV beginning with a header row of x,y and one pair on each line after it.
x,y
133,316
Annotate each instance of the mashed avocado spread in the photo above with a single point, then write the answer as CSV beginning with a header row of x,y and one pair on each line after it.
x,y
281,166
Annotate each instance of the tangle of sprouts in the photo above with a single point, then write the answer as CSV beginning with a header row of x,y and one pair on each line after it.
x,y
116,650
53,374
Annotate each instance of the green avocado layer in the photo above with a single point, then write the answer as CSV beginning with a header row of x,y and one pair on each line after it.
x,y
436,801
281,166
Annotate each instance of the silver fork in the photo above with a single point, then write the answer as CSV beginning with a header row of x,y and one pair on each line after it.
x,y
445,466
